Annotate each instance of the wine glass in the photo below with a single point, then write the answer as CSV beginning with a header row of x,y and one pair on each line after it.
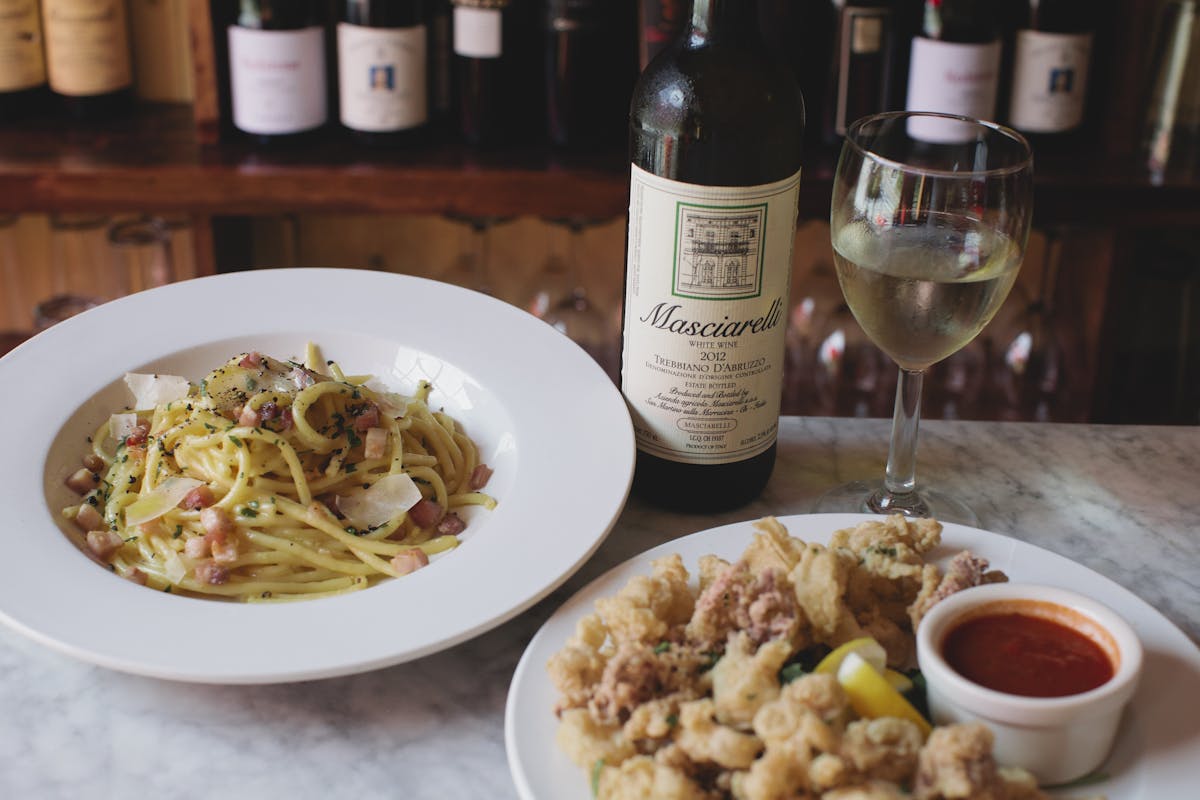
x,y
471,268
561,299
929,220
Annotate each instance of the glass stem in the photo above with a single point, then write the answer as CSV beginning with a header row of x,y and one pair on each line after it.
x,y
901,476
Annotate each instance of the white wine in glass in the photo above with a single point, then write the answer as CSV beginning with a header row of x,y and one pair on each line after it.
x,y
929,220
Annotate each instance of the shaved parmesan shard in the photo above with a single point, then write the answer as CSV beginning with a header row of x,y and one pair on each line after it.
x,y
159,500
155,390
385,499
391,404
120,426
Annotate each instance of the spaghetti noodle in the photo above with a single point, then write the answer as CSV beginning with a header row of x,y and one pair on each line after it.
x,y
272,480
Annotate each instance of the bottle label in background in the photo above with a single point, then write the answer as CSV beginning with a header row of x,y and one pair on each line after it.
x,y
707,282
861,65
381,73
87,46
478,32
277,80
954,79
1049,81
21,64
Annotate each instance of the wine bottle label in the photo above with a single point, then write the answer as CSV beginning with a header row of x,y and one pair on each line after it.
x,y
87,46
1049,81
381,74
478,32
706,290
21,62
955,79
277,80
861,66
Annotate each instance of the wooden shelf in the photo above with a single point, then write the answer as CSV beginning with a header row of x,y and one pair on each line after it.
x,y
153,160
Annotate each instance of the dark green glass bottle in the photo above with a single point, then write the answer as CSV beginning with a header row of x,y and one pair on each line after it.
x,y
716,128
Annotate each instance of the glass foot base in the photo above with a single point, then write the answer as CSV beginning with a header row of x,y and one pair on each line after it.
x,y
870,497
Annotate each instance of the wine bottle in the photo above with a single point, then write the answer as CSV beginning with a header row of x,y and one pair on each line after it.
x,y
954,66
715,137
22,62
87,56
383,70
441,65
482,69
1051,56
277,69
860,65
589,74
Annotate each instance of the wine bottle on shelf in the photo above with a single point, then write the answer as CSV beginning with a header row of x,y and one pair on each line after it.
x,y
860,66
589,74
659,22
715,135
1051,56
383,72
87,56
22,59
483,69
277,69
954,65
441,65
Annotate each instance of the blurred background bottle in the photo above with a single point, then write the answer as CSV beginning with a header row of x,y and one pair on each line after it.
x,y
493,43
1171,138
1051,56
383,75
442,110
590,68
277,69
88,57
954,63
22,59
859,69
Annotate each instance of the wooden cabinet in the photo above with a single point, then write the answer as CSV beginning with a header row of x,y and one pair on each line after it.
x,y
175,158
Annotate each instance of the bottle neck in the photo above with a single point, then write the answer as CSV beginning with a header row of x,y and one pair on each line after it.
x,y
721,20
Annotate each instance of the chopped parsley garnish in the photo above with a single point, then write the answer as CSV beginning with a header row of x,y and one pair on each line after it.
x,y
662,647
177,532
247,512
791,671
236,441
597,768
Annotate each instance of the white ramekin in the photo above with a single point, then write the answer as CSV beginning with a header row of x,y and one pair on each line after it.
x,y
1058,739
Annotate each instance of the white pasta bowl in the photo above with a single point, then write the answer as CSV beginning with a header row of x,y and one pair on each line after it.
x,y
1058,739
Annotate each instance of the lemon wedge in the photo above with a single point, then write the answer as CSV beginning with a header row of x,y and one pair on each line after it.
x,y
870,650
899,681
871,695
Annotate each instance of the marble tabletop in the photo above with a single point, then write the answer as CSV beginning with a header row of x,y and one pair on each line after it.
x,y
1124,501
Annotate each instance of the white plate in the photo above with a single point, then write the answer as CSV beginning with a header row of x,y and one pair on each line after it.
x,y
1156,753
546,417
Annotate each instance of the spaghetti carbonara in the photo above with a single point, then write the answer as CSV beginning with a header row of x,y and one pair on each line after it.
x,y
274,480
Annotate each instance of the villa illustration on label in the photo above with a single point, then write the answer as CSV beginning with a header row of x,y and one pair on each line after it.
x,y
718,251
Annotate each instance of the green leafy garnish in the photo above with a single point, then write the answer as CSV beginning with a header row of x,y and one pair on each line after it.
x,y
597,768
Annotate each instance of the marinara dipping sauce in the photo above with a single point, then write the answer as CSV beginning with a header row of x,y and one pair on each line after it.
x,y
1026,651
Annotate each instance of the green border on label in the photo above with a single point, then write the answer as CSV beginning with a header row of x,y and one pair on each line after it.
x,y
679,206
